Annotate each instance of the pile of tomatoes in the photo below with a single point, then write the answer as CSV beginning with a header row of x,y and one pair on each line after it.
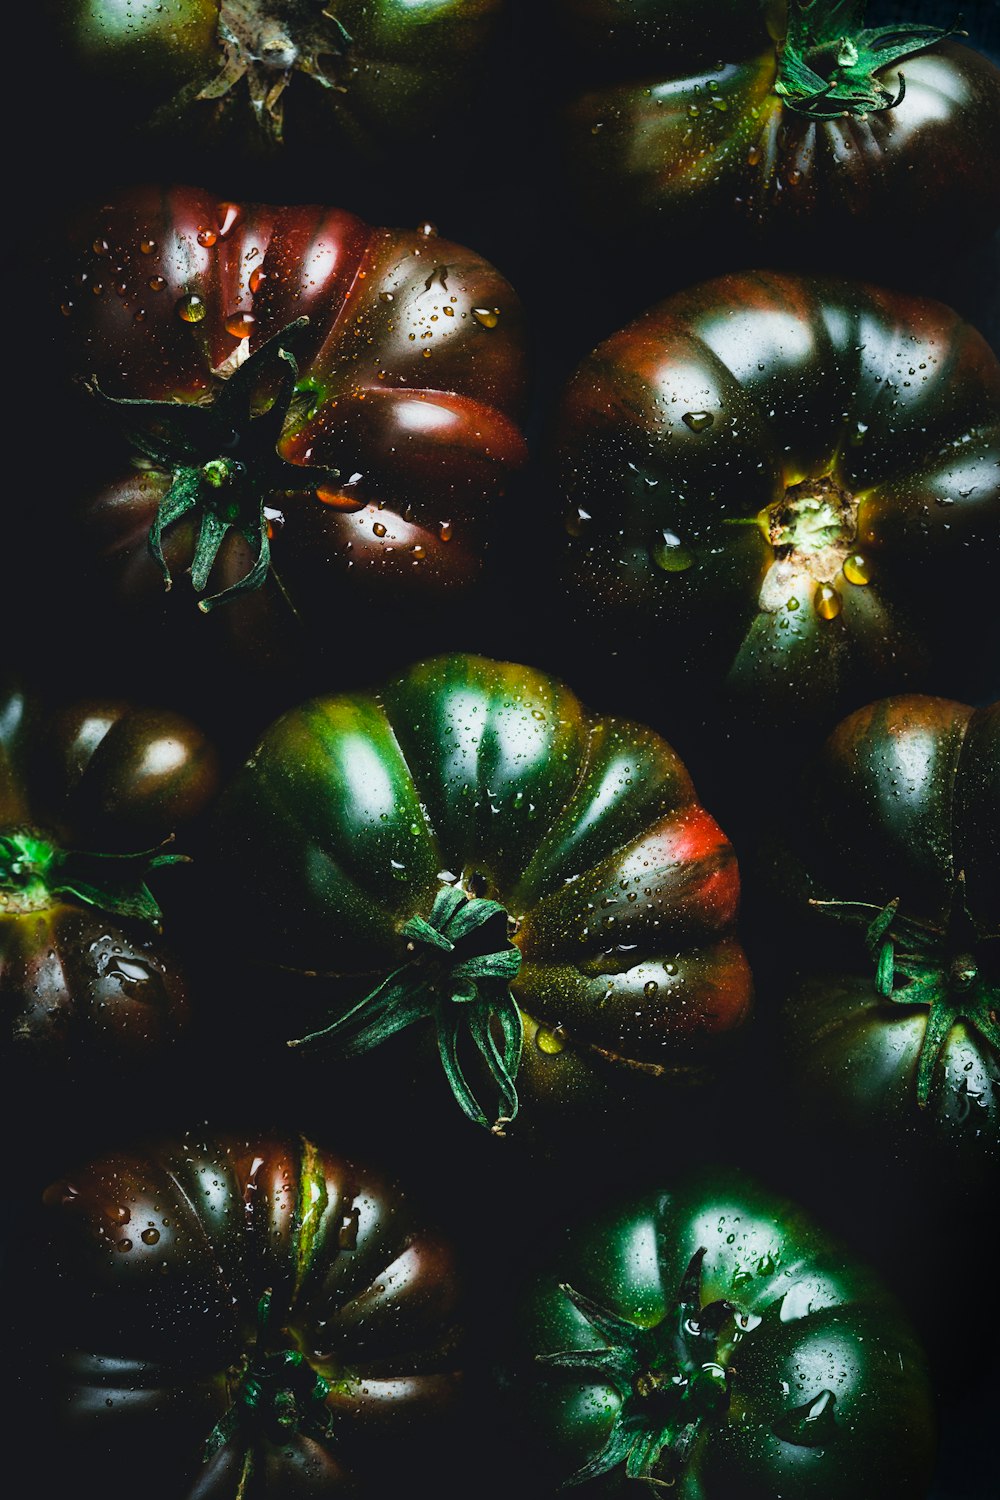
x,y
500,750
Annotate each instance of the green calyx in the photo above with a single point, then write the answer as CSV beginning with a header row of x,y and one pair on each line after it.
x,y
277,1394
35,872
265,42
459,976
828,59
669,1378
939,968
222,460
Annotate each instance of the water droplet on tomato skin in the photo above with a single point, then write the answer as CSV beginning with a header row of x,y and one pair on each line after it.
x,y
190,308
157,283
827,602
486,317
698,421
147,246
550,1040
228,215
427,229
150,1236
858,570
100,247
669,553
256,277
241,325
207,237
338,500
445,531
379,529
577,520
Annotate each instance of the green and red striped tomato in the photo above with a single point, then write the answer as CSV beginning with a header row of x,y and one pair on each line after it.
x,y
786,489
240,1315
710,1338
470,847
90,797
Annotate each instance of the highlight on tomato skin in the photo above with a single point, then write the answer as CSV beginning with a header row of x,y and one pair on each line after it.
x,y
785,490
706,1335
467,855
96,798
264,1314
316,420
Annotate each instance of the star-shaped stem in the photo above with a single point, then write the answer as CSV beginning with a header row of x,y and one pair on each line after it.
x,y
277,1393
828,59
264,42
222,459
940,969
461,989
667,1376
34,871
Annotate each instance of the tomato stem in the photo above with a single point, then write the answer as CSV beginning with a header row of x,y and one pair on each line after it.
x,y
828,61
35,871
197,446
463,989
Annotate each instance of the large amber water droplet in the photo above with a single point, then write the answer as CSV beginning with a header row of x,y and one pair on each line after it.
x,y
241,325
379,529
256,277
338,500
858,569
486,317
827,602
229,214
191,309
147,246
550,1040
207,237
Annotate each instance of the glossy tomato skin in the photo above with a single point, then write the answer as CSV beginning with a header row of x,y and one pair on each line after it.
x,y
788,489
678,141
410,381
87,980
179,1272
818,1384
353,815
332,96
900,806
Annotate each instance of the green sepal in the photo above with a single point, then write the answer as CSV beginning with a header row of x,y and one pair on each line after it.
x,y
194,442
828,59
464,996
114,883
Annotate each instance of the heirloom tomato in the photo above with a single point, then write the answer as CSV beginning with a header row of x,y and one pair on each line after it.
x,y
893,1024
335,91
320,415
90,798
248,1316
711,1340
786,488
469,847
788,131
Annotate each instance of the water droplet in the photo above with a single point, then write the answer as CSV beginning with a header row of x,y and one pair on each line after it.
x,y
256,277
338,500
753,156
228,215
794,177
147,246
576,520
698,421
379,529
139,315
445,531
693,111
811,1425
418,552
191,309
123,1246
207,237
157,283
669,553
792,604
650,988
550,1040
827,602
427,229
241,325
150,1236
486,317
97,287
66,308
858,569
100,247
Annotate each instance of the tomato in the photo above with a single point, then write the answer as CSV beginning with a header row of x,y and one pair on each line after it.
x,y
712,1339
349,85
789,132
787,489
322,414
891,1028
89,797
242,1315
469,847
